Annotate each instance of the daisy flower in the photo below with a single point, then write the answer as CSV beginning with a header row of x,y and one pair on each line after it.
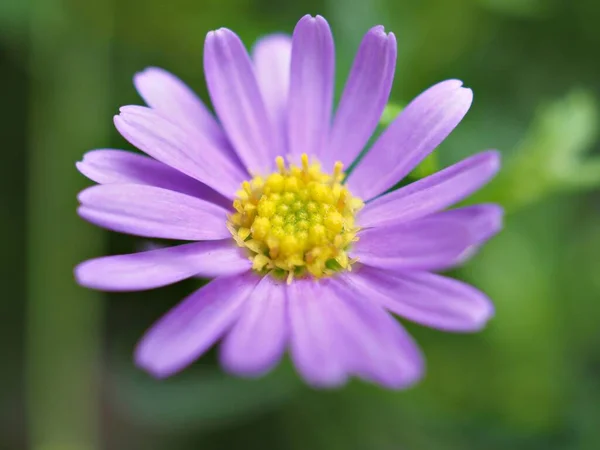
x,y
305,257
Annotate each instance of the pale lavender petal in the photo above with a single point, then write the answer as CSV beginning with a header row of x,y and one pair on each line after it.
x,y
166,93
237,100
429,299
365,96
315,348
415,133
376,346
426,244
194,325
187,152
152,212
311,86
258,339
160,267
272,57
483,220
109,166
433,193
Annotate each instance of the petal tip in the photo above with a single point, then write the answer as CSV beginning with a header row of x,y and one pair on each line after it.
x,y
245,370
496,218
84,275
392,39
121,123
305,21
313,21
482,317
130,109
78,273
124,111
465,95
452,87
129,114
220,33
321,19
151,367
377,36
145,358
495,154
83,195
378,31
148,78
453,82
307,18
216,37
480,313
492,160
411,375
147,71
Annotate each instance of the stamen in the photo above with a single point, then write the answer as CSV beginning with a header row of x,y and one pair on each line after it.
x,y
338,175
304,158
341,203
280,164
297,221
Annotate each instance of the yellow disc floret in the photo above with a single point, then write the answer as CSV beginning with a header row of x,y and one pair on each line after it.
x,y
297,221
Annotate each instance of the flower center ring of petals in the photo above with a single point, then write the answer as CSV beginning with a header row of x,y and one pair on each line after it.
x,y
296,222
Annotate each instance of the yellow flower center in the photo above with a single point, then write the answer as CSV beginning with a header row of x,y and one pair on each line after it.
x,y
296,222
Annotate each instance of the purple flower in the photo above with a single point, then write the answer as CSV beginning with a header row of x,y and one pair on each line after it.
x,y
303,257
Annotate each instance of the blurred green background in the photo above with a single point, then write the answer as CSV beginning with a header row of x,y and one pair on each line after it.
x,y
530,381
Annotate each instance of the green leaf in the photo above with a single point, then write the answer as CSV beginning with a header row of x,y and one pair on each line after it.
x,y
529,361
520,8
551,158
200,398
14,18
390,112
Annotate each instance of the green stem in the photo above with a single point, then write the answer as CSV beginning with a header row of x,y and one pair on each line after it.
x,y
69,66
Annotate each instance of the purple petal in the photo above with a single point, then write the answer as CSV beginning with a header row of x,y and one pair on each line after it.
x,y
311,86
272,57
119,166
152,212
187,152
316,350
426,298
258,339
188,330
237,100
426,244
483,221
166,93
433,193
415,133
365,96
376,345
156,268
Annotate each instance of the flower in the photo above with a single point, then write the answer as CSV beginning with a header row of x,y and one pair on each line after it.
x,y
303,256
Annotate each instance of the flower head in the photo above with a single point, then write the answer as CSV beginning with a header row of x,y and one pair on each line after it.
x,y
303,255
298,221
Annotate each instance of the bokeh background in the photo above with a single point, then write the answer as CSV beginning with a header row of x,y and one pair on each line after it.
x,y
530,381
